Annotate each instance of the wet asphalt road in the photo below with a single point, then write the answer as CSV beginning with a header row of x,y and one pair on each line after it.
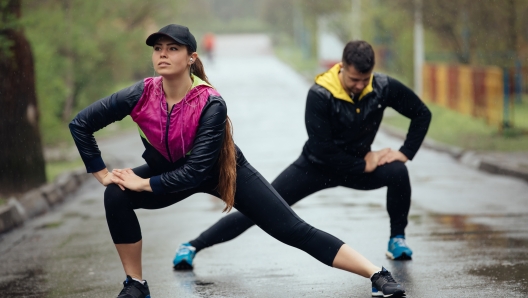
x,y
469,230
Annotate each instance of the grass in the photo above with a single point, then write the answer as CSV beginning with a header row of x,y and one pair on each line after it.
x,y
520,113
464,131
53,169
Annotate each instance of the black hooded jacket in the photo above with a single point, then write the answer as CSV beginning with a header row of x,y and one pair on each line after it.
x,y
340,132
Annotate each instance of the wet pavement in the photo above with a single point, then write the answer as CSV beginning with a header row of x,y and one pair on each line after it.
x,y
468,229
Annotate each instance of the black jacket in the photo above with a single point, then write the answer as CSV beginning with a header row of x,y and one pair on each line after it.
x,y
185,173
341,133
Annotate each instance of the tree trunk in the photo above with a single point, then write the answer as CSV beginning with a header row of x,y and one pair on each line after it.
x,y
21,159
70,60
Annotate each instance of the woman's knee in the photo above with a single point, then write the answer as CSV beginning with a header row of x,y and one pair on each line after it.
x,y
114,197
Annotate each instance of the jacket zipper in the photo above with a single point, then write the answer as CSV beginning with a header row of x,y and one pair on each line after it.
x,y
167,130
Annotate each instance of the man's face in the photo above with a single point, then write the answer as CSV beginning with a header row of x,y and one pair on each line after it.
x,y
353,80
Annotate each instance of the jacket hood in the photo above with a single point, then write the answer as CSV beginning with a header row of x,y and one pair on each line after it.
x,y
330,81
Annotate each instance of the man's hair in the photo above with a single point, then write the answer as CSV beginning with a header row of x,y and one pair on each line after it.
x,y
359,54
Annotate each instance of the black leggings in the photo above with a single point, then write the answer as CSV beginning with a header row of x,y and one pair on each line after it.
x,y
302,179
255,198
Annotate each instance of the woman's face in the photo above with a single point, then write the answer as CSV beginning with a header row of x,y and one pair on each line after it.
x,y
170,58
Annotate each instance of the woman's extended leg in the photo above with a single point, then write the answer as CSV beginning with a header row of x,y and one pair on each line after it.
x,y
296,182
257,199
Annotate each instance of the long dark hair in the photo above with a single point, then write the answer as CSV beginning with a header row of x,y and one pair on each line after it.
x,y
227,159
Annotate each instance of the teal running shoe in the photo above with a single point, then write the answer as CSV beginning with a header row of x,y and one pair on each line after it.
x,y
184,257
398,249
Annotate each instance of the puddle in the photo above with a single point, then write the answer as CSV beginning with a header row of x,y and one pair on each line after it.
x,y
505,257
514,275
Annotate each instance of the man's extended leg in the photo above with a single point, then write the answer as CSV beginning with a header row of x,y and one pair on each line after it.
x,y
296,182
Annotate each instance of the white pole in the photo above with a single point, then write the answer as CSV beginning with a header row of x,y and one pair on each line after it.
x,y
419,52
356,19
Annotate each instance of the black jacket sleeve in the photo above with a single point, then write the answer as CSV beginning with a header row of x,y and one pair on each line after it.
x,y
98,115
320,142
204,154
405,102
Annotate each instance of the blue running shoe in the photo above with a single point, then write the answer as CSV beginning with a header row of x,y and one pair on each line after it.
x,y
184,257
398,249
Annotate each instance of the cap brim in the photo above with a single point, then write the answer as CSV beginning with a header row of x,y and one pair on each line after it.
x,y
151,40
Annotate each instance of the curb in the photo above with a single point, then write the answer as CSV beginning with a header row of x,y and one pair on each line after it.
x,y
466,157
40,200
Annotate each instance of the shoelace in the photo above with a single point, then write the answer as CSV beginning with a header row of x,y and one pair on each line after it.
x,y
400,241
127,287
388,277
183,250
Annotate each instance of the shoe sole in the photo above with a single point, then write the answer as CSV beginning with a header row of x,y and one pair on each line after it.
x,y
394,295
403,257
181,266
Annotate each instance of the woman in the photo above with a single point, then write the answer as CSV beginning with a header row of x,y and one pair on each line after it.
x,y
189,149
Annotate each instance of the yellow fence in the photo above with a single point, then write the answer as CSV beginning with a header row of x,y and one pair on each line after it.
x,y
476,91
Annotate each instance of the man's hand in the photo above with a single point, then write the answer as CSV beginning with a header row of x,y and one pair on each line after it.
x,y
105,177
373,158
392,156
128,179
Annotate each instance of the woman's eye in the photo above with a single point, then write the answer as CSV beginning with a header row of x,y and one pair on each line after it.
x,y
173,49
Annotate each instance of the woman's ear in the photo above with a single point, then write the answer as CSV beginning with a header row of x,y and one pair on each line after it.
x,y
193,57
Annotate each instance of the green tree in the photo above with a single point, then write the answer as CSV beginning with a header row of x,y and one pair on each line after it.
x,y
483,32
85,50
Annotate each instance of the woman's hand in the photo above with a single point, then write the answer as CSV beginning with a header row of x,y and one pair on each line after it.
x,y
128,179
105,177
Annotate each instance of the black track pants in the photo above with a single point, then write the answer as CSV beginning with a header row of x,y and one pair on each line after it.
x,y
255,198
302,179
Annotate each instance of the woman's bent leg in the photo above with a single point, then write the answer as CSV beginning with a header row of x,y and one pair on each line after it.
x,y
123,223
130,255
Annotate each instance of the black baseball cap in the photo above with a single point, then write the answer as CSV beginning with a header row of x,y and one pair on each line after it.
x,y
179,33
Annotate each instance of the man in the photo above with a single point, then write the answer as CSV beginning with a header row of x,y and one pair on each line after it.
x,y
344,109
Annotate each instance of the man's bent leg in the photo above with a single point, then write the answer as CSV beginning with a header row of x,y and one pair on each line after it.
x,y
395,176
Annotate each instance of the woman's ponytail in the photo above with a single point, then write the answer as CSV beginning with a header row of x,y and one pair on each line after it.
x,y
227,159
227,162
